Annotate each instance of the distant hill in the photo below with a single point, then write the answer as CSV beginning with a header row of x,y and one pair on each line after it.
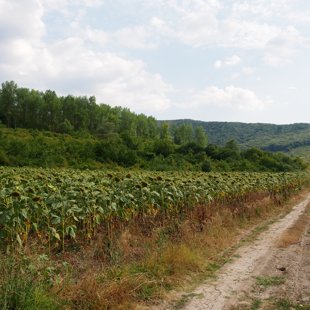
x,y
294,138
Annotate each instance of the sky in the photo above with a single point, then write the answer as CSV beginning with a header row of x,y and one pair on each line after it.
x,y
209,60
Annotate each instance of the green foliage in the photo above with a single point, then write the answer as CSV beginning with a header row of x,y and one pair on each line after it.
x,y
190,148
163,147
286,304
293,139
21,288
66,127
268,281
206,166
200,136
4,160
77,132
183,134
24,108
21,147
164,131
59,205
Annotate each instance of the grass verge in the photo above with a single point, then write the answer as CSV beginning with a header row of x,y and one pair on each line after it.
x,y
295,232
24,287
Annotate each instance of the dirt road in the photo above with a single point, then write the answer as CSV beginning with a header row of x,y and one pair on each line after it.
x,y
262,275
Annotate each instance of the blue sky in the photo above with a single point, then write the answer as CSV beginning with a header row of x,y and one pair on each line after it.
x,y
211,60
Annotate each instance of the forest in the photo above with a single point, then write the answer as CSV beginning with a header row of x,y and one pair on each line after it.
x,y
293,138
44,129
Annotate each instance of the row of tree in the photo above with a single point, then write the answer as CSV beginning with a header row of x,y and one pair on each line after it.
x,y
43,129
32,109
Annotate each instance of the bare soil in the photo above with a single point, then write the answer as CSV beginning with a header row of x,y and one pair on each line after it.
x,y
273,272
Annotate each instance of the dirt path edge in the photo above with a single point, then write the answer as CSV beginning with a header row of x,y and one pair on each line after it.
x,y
237,277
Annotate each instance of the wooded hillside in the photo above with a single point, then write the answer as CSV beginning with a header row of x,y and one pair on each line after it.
x,y
44,129
293,139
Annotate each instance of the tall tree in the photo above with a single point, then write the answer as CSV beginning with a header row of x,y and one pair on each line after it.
x,y
8,103
183,134
201,136
164,131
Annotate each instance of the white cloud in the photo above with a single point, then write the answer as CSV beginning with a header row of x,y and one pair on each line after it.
x,y
246,71
229,33
302,17
199,24
63,5
68,66
21,33
92,3
230,97
58,5
89,51
293,88
18,21
96,36
282,49
261,8
142,92
285,11
230,61
138,37
73,66
197,27
245,34
162,27
247,25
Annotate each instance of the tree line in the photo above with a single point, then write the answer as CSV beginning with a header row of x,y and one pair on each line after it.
x,y
44,129
32,109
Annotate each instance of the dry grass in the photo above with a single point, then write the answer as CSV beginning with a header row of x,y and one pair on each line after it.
x,y
294,233
95,293
144,260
